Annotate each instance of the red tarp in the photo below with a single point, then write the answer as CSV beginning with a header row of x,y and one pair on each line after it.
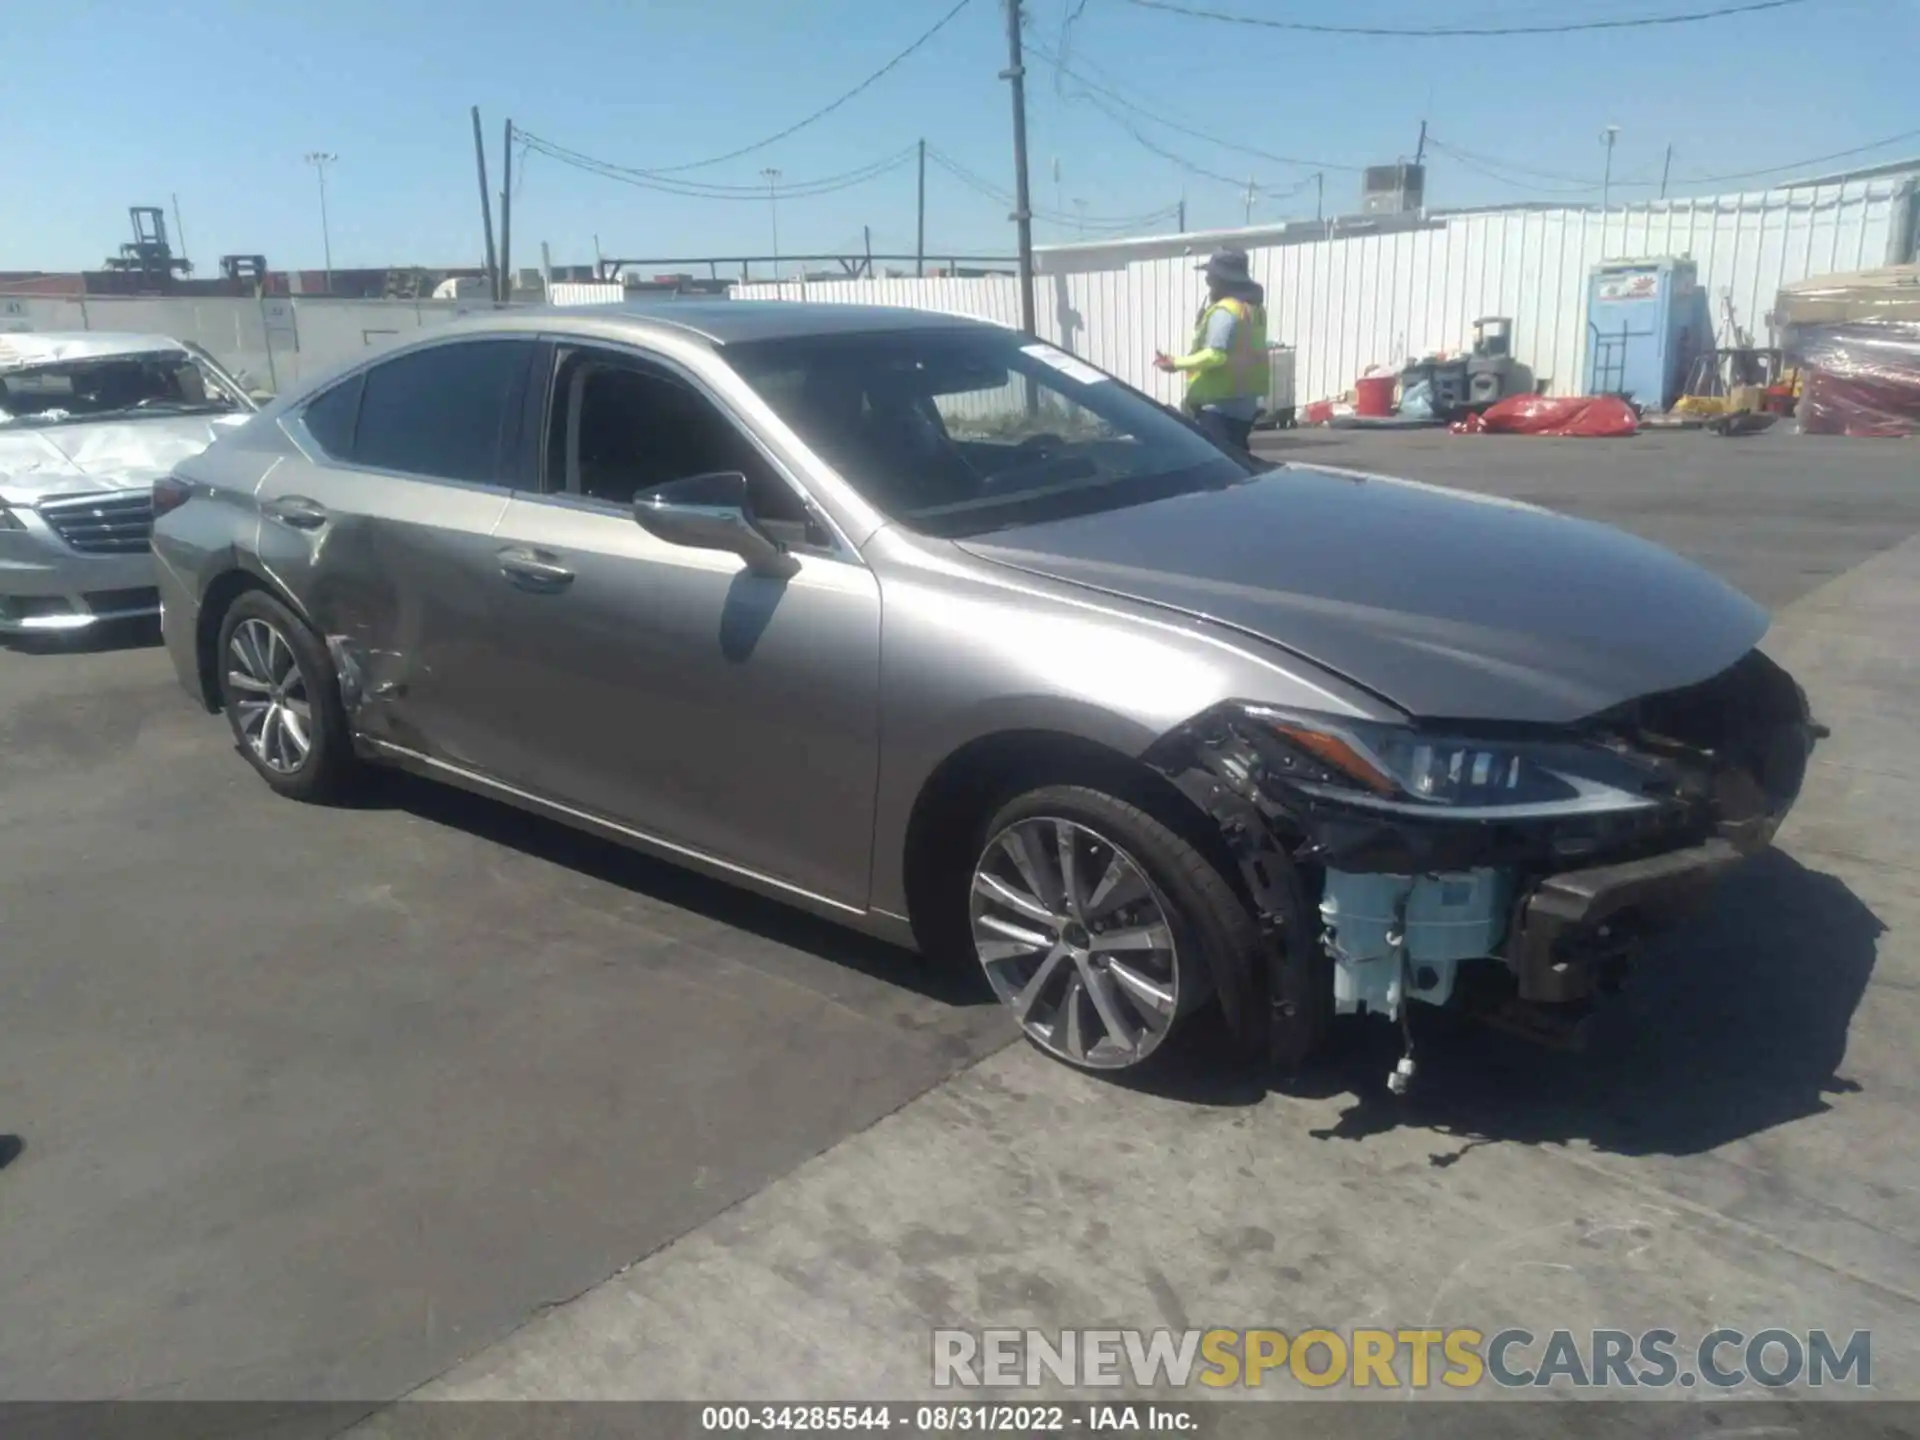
x,y
1582,415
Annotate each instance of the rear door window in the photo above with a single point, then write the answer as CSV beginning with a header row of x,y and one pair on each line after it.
x,y
447,412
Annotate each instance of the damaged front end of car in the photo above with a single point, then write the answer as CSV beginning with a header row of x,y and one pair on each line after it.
x,y
1515,872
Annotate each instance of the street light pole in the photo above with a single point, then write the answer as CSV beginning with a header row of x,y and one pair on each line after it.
x,y
772,177
1250,194
320,159
1607,137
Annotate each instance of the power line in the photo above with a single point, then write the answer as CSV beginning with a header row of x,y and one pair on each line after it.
x,y
1398,32
983,186
1488,163
702,190
1527,178
1803,164
824,110
1505,170
1190,166
1061,68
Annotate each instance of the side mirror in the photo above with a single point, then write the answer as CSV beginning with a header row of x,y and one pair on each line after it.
x,y
711,512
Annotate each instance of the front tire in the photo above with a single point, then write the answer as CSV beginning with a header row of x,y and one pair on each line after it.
x,y
282,699
1099,927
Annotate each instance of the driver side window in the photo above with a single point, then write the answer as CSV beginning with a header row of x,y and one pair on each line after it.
x,y
620,429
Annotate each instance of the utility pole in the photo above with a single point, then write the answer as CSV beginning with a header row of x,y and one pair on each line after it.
x,y
546,264
1420,150
1080,218
486,205
320,159
506,214
1180,217
1319,195
920,225
1016,73
1250,194
866,234
772,177
1607,137
1666,168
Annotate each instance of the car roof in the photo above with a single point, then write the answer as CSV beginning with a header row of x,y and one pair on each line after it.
x,y
720,322
23,350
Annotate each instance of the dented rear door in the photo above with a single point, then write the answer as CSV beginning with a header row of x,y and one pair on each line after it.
x,y
384,535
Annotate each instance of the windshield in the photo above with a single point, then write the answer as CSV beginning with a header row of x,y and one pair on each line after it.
x,y
165,382
956,432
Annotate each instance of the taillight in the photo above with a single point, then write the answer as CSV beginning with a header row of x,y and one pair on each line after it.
x,y
170,492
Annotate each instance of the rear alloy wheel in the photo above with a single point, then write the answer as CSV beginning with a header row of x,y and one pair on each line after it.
x,y
271,707
279,690
1077,938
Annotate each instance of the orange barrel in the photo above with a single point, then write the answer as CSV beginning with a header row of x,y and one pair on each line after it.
x,y
1373,394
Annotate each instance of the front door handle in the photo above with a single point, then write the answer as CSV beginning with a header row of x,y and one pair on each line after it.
x,y
534,569
297,511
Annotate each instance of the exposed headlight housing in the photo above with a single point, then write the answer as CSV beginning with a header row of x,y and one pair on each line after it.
x,y
1402,770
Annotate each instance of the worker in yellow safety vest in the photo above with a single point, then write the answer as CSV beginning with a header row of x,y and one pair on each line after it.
x,y
1227,368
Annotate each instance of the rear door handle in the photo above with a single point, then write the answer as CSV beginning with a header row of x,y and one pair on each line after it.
x,y
534,569
297,511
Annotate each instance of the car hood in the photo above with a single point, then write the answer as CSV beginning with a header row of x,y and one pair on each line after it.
x,y
38,462
1450,605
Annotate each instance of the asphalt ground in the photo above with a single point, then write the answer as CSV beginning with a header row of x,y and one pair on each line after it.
x,y
319,1103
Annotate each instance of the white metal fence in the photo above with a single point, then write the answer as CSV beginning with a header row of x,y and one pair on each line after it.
x,y
270,343
1348,303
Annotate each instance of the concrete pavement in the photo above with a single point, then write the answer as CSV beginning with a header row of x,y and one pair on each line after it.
x,y
1736,1151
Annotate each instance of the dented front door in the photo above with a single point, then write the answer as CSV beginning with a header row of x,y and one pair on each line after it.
x,y
398,573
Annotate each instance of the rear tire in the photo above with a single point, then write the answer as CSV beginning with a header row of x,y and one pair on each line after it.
x,y
281,695
1103,957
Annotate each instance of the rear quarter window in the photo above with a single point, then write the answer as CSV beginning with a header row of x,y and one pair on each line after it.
x,y
330,417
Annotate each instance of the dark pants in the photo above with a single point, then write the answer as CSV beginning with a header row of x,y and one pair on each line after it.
x,y
1232,433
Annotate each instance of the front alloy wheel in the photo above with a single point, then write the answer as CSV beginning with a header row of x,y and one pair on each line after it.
x,y
1076,940
272,708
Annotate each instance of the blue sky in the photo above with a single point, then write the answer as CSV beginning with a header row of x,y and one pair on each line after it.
x,y
108,104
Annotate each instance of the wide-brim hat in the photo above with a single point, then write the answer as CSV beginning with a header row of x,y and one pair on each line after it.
x,y
1227,265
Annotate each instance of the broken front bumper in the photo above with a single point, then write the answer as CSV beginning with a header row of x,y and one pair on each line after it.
x,y
1559,903
1573,927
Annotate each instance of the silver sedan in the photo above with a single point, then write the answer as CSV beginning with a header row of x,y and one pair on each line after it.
x,y
88,421
939,631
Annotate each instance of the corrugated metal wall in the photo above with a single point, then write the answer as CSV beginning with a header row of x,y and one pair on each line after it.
x,y
1348,304
269,343
586,292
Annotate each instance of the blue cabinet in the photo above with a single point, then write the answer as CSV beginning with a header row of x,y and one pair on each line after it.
x,y
1646,322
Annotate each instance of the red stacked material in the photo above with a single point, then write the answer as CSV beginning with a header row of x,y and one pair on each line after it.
x,y
1861,379
1582,415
